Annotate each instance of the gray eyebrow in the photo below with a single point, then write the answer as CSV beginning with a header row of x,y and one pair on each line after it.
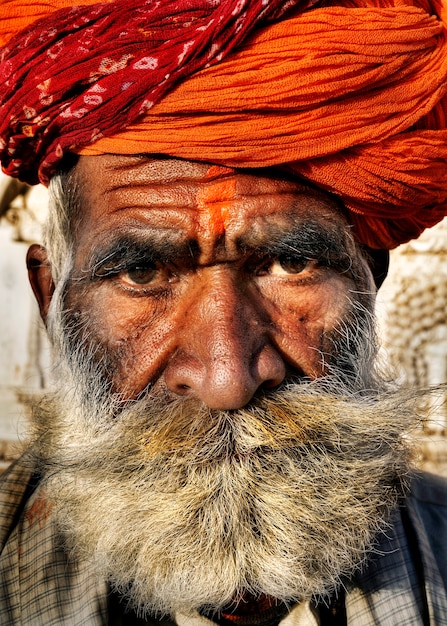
x,y
155,245
309,239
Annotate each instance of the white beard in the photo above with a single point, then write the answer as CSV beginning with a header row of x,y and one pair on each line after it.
x,y
180,507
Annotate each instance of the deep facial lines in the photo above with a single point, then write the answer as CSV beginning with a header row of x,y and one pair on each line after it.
x,y
308,241
147,247
131,250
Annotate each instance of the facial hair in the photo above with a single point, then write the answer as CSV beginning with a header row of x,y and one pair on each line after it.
x,y
184,508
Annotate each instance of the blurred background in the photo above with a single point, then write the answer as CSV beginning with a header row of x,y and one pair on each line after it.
x,y
412,313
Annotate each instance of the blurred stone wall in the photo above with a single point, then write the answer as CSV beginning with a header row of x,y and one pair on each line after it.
x,y
411,309
24,350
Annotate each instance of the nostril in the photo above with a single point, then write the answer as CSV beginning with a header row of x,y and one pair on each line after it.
x,y
269,369
182,389
270,384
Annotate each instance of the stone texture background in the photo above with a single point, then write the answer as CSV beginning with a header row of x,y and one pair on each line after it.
x,y
411,309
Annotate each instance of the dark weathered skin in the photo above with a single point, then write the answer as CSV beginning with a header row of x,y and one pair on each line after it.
x,y
204,308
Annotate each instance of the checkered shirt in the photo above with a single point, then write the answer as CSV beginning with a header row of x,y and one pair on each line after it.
x,y
41,585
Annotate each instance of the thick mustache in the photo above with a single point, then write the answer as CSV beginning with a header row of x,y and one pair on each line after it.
x,y
298,417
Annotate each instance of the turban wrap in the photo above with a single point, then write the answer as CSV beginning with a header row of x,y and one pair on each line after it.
x,y
348,94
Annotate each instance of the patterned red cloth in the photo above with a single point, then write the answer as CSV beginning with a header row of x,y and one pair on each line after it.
x,y
67,75
351,95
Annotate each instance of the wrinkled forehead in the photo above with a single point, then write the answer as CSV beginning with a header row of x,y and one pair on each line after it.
x,y
220,197
211,211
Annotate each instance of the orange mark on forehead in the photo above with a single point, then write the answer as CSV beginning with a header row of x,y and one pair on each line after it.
x,y
218,170
212,201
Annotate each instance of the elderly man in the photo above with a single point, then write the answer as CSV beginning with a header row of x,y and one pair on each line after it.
x,y
225,180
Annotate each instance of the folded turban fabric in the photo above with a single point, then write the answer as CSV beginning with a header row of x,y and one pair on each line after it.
x,y
348,94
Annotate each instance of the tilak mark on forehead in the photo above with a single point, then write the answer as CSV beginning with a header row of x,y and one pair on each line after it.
x,y
213,199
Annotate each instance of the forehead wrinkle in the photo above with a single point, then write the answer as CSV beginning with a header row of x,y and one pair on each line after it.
x,y
203,201
132,195
212,203
149,170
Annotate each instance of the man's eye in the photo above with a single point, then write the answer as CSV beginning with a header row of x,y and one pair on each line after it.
x,y
283,266
289,266
140,274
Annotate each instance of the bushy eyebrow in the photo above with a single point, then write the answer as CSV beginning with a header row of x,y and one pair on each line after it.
x,y
305,240
132,249
309,240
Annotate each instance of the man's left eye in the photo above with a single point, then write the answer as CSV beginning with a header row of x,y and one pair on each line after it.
x,y
140,274
282,266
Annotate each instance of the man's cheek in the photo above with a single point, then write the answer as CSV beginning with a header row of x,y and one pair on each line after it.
x,y
135,336
112,314
304,324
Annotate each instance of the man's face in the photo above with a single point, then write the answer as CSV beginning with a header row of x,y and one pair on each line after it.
x,y
206,282
220,431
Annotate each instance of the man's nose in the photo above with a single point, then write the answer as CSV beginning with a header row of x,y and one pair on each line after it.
x,y
224,353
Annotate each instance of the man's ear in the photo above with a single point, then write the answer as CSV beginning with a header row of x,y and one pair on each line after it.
x,y
40,277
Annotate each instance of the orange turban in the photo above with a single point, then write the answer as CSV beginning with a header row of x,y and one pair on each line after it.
x,y
350,95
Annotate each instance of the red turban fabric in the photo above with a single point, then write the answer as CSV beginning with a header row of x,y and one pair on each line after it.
x,y
350,95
